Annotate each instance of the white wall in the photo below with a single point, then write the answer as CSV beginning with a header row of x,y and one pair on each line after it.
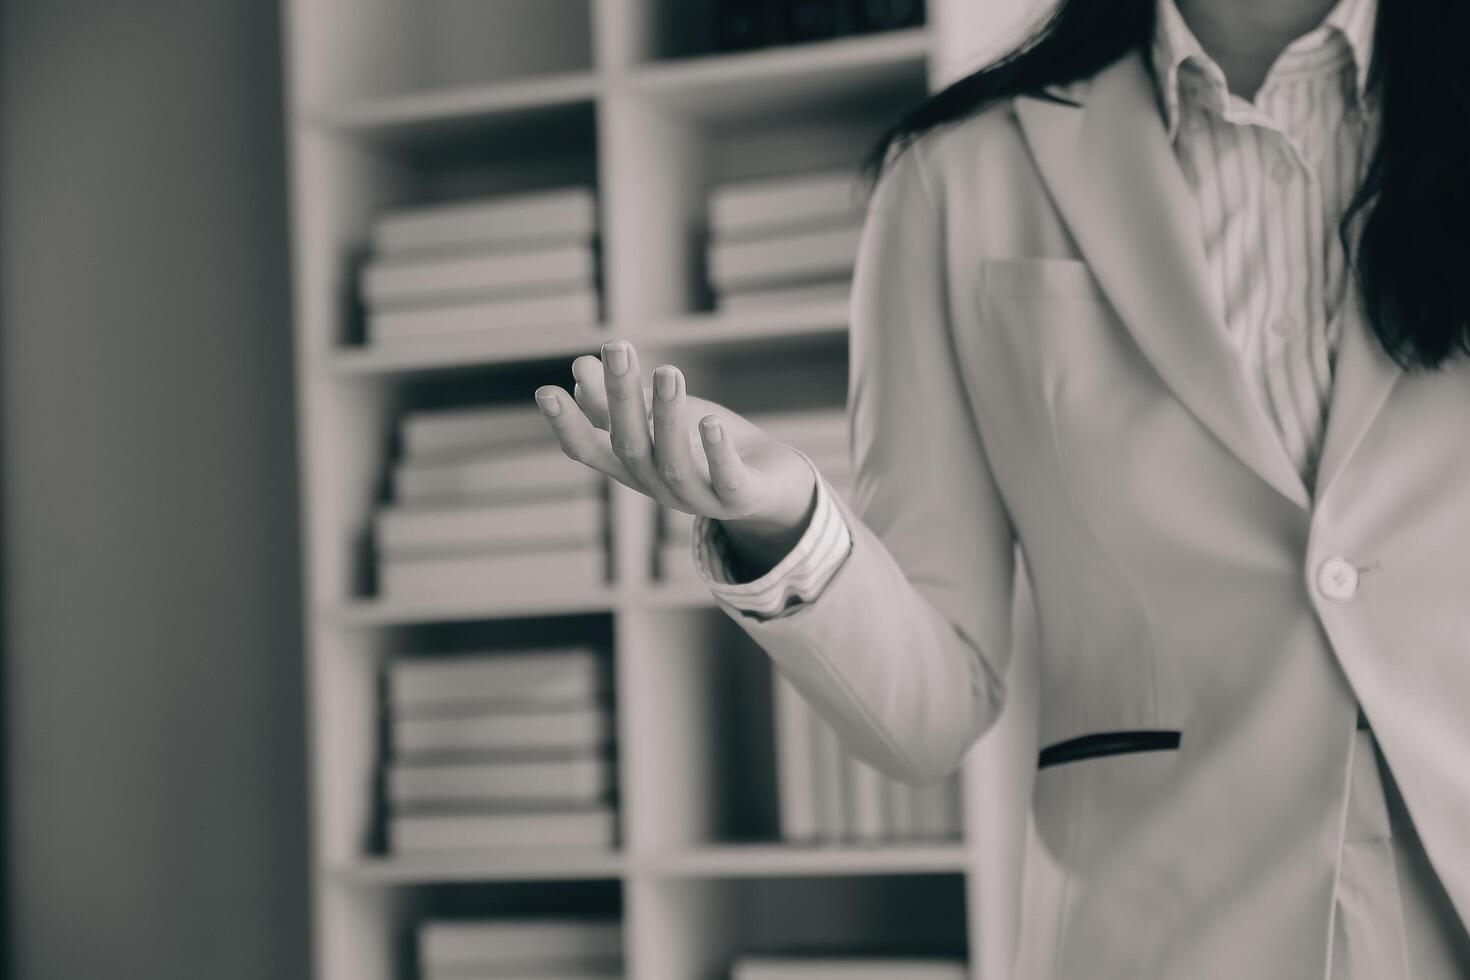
x,y
151,644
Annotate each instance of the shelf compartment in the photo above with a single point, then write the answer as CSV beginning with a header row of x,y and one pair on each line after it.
x,y
849,73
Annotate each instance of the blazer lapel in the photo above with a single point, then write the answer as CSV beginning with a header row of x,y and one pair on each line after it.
x,y
1117,184
1362,378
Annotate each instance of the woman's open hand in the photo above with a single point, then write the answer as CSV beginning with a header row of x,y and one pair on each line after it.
x,y
760,488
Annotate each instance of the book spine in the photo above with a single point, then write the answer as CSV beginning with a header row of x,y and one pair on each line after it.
x,y
868,819
429,434
773,207
795,760
571,781
559,523
566,215
789,259
397,284
574,730
740,301
593,829
445,945
574,309
899,813
829,772
481,574
541,675
486,477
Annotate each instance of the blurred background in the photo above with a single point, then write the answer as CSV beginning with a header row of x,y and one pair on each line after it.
x,y
318,661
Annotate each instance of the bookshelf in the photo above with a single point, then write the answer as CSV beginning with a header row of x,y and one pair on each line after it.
x,y
393,103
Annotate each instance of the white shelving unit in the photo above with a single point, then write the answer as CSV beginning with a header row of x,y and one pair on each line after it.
x,y
393,102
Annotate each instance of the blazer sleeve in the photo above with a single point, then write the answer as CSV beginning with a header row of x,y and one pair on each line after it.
x,y
904,650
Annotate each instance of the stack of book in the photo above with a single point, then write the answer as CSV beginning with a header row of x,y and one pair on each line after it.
x,y
484,499
784,241
847,968
825,796
521,262
502,949
821,433
501,750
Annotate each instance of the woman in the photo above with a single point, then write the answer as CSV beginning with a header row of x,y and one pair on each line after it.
x,y
1172,303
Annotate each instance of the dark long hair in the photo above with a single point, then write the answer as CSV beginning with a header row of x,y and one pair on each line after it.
x,y
1412,256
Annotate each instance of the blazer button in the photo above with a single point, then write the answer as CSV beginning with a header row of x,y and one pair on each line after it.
x,y
1337,580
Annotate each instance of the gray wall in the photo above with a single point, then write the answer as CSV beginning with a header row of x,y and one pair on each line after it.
x,y
154,733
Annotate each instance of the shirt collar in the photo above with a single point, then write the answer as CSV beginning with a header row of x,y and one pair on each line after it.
x,y
1174,44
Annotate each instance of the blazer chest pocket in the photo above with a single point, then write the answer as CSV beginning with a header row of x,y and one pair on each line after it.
x,y
1039,279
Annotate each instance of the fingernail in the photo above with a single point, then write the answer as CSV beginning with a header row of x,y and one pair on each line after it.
x,y
548,403
665,385
713,431
577,391
615,356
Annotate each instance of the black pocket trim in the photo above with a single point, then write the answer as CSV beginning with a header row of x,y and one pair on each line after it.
x,y
1107,743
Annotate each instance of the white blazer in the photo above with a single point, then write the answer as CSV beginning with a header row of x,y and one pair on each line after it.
x,y
1037,370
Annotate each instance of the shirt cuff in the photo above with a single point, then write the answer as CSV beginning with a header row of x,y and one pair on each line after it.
x,y
798,578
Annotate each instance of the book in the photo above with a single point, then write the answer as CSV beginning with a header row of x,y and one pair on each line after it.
x,y
476,429
740,301
829,782
952,793
795,762
577,728
936,810
420,281
576,307
516,525
847,968
898,812
869,823
751,208
577,780
790,258
563,214
525,472
560,675
591,828
450,945
468,576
